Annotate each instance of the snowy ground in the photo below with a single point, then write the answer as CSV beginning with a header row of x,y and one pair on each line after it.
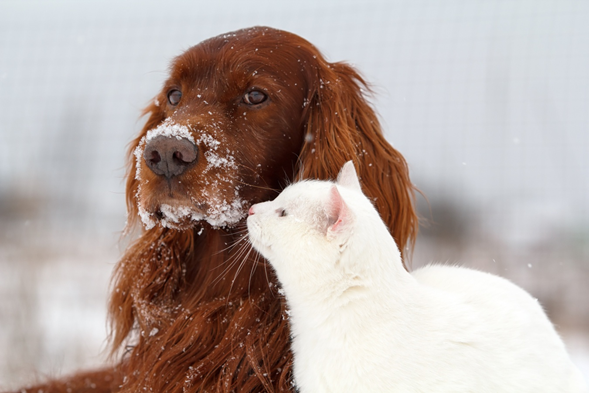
x,y
53,313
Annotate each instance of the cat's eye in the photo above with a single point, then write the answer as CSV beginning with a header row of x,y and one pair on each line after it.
x,y
282,213
174,97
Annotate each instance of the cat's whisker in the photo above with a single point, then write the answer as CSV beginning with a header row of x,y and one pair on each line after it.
x,y
241,239
253,269
227,263
241,231
223,273
259,259
258,256
240,228
231,261
240,267
245,249
242,242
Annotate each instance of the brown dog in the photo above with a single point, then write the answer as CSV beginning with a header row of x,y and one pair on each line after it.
x,y
241,116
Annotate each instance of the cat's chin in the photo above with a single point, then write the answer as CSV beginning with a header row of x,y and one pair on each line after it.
x,y
254,239
262,249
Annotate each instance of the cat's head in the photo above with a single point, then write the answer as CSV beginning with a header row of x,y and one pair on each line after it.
x,y
309,221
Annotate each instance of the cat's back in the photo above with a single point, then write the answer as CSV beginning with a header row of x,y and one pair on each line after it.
x,y
473,285
493,305
498,320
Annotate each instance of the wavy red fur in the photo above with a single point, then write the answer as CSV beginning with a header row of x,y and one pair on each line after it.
x,y
195,312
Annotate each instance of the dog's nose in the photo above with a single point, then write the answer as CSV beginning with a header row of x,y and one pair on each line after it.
x,y
251,211
169,156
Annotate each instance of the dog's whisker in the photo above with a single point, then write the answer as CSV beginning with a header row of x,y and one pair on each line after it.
x,y
257,186
253,170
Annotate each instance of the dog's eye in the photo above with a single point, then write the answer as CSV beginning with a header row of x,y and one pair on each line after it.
x,y
174,97
254,97
282,213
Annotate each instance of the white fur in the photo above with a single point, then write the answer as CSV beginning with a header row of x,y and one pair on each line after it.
x,y
361,323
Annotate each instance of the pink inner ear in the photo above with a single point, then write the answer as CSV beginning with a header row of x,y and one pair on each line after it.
x,y
336,210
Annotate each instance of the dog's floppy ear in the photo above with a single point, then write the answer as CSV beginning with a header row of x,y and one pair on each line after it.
x,y
342,126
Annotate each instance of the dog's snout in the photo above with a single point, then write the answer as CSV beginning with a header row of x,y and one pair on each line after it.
x,y
169,156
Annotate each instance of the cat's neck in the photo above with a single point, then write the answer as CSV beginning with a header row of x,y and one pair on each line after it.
x,y
366,273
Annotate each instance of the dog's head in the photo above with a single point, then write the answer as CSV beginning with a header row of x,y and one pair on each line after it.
x,y
245,113
225,131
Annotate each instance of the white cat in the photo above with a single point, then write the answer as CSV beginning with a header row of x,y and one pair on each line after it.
x,y
361,323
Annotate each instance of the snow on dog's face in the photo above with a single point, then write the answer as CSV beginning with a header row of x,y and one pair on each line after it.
x,y
308,222
224,132
181,204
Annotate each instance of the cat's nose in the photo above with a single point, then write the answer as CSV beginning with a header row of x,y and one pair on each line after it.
x,y
250,211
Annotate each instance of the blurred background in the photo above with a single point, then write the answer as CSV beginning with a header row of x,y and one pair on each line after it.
x,y
488,101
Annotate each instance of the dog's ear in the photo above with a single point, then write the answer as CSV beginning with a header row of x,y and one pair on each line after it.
x,y
342,126
156,116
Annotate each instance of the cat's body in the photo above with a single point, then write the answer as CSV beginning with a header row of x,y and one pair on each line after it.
x,y
361,323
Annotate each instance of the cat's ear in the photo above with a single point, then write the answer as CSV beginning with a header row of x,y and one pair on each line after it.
x,y
348,177
338,214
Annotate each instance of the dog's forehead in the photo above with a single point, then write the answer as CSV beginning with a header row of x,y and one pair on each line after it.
x,y
258,49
